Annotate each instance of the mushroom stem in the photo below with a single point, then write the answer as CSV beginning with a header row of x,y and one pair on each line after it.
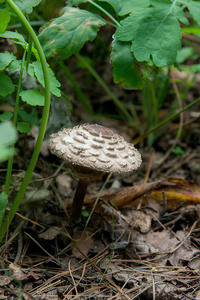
x,y
78,201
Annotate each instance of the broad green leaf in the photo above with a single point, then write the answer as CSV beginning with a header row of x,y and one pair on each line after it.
x,y
32,97
27,5
128,6
8,136
193,7
6,116
54,83
154,31
23,127
5,59
67,34
125,70
7,87
5,19
3,204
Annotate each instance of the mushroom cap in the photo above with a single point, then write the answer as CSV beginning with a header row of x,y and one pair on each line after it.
x,y
94,148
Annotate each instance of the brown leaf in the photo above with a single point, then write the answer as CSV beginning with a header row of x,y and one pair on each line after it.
x,y
49,234
17,271
82,243
123,196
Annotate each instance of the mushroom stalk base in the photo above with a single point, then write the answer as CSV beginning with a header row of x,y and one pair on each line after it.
x,y
77,204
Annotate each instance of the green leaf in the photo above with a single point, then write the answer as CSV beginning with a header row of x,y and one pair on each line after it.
x,y
128,6
67,34
116,4
75,2
54,83
5,59
17,38
7,87
183,54
193,7
23,127
154,32
13,35
27,5
8,136
125,70
5,19
6,116
32,97
3,204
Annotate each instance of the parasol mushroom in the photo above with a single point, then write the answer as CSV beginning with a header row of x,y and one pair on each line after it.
x,y
92,150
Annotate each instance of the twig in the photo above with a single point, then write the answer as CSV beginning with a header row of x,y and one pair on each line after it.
x,y
186,237
75,285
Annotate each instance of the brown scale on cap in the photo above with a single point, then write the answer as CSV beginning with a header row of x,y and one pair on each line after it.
x,y
95,147
92,150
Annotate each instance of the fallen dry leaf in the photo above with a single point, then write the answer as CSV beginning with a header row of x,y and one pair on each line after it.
x,y
49,234
81,245
123,196
176,192
17,271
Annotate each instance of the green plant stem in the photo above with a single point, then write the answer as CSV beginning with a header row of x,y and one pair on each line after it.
x,y
10,160
106,88
44,120
143,136
105,12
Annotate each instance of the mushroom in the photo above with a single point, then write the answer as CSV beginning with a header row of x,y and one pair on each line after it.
x,y
92,150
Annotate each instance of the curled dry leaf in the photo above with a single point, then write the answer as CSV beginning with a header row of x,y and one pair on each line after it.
x,y
140,221
123,196
17,271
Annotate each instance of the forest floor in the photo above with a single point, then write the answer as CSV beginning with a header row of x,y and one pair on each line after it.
x,y
143,238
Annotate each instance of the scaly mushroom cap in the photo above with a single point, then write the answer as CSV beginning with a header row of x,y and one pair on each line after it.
x,y
94,149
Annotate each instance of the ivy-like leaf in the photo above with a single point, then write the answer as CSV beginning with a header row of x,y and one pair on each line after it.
x,y
5,59
67,34
17,38
54,83
7,87
27,5
6,116
23,127
124,66
32,97
5,19
13,35
155,32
